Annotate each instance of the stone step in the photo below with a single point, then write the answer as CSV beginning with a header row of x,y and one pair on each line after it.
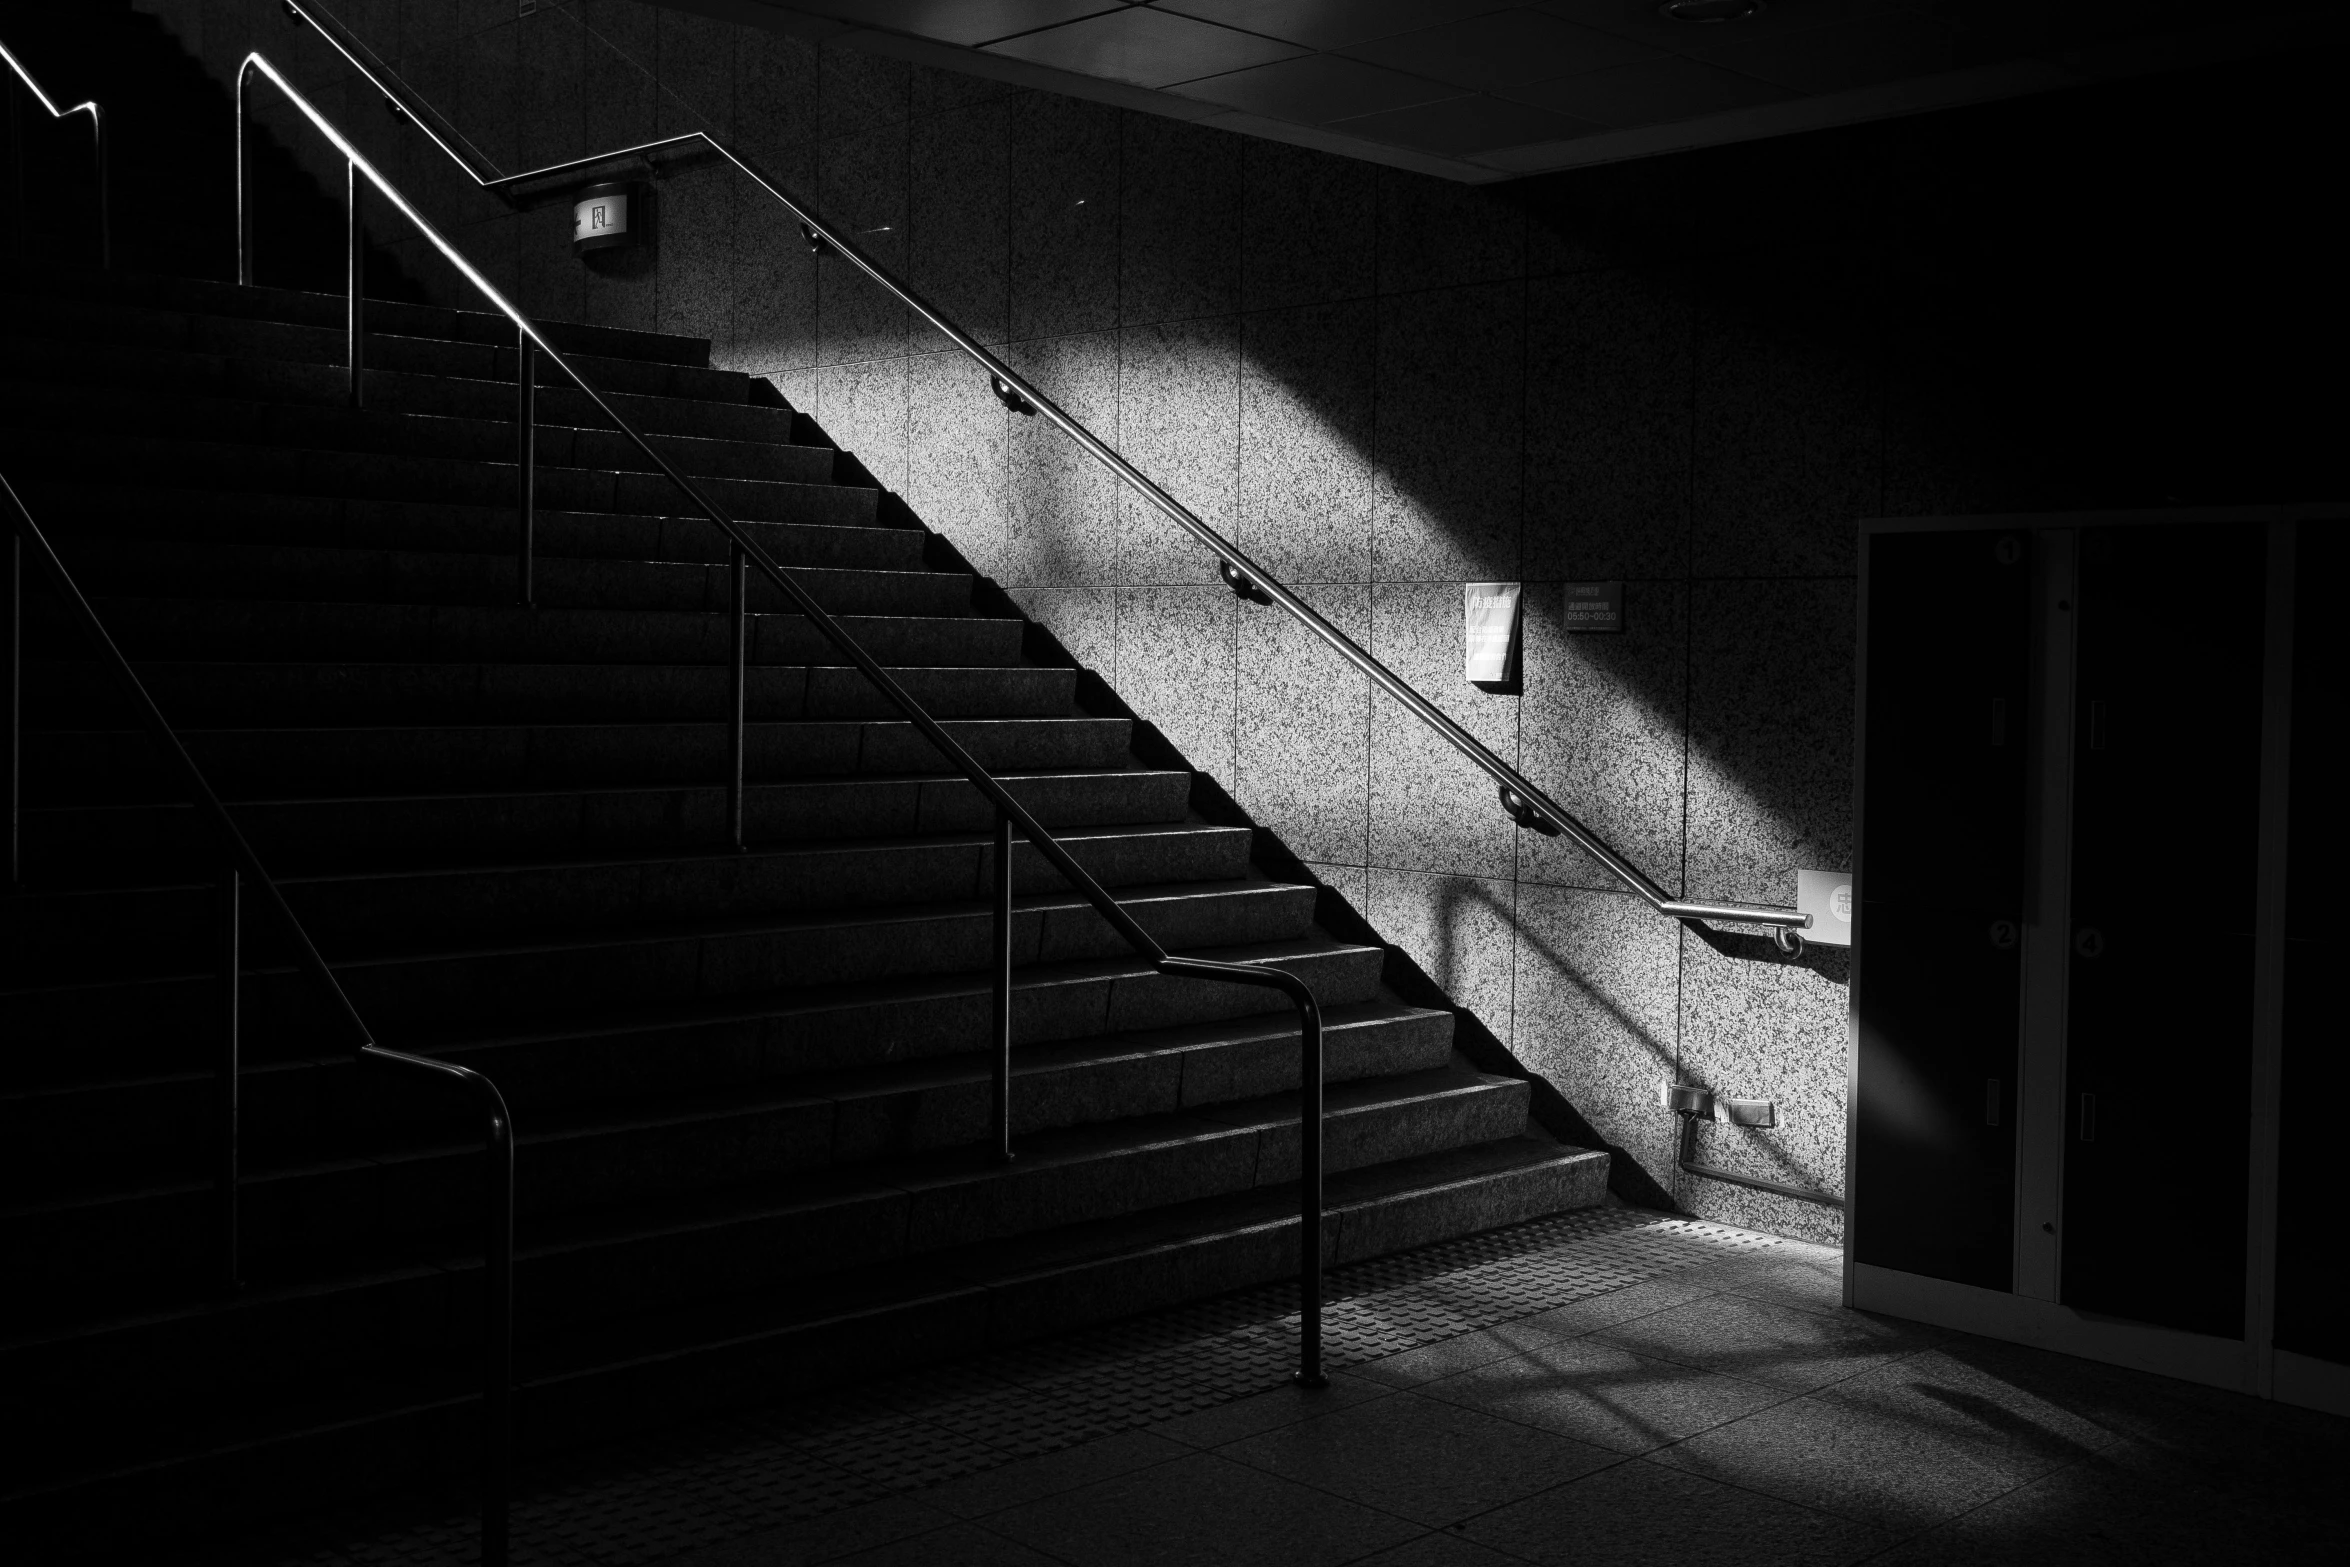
x,y
48,407
66,362
238,573
39,454
178,628
227,694
667,1210
66,842
427,982
88,765
45,291
356,1438
831,525
82,933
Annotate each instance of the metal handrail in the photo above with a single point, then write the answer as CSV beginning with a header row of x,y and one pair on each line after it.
x,y
97,116
747,552
244,867
1521,799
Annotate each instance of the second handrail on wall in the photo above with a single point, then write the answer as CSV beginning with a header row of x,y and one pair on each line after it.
x,y
1526,804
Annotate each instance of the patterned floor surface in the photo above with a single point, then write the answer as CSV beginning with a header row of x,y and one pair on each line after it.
x,y
720,1480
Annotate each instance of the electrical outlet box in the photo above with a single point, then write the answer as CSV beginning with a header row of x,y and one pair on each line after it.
x,y
1747,1112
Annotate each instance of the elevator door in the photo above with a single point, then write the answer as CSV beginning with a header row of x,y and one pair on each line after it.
x,y
1941,878
2167,702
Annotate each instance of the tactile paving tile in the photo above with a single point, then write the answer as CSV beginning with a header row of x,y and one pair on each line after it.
x,y
723,1479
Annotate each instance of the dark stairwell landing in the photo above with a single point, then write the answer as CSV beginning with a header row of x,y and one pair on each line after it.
x,y
749,1087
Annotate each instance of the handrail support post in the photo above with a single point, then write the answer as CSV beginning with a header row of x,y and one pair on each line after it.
x,y
227,1102
1000,1014
12,648
738,587
1309,1199
526,452
355,276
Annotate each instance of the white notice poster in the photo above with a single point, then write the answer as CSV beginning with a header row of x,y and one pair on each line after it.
x,y
1489,612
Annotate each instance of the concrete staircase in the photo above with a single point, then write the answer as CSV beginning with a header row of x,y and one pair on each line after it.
x,y
749,1087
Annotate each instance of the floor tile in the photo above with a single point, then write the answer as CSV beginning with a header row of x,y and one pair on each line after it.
x,y
1785,1347
992,1491
1423,1459
1440,1548
823,1539
1279,1407
1621,1305
963,1545
1596,1392
1886,1472
1204,1510
1640,1515
1443,1359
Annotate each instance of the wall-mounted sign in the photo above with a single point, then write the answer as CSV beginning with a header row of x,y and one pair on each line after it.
x,y
1827,897
1489,621
1595,606
605,217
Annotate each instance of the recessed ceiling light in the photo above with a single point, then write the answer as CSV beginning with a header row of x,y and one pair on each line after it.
x,y
1710,10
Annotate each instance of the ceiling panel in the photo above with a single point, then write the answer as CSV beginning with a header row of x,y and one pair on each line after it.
x,y
1459,127
1144,46
1503,49
1834,59
1329,24
1316,88
960,21
1653,90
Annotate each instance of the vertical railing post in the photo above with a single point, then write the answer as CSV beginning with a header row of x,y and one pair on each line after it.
x,y
1001,1013
355,275
1309,1200
227,1107
105,201
12,649
244,176
497,1433
738,581
526,454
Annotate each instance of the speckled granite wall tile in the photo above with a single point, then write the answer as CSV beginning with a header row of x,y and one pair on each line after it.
x,y
697,254
616,74
549,281
551,65
1436,233
1351,882
696,70
956,458
1175,668
1064,505
1179,221
623,286
1457,928
862,406
1064,216
1600,731
1450,433
1953,446
858,92
1430,809
774,94
1084,619
775,280
1305,441
935,90
959,216
1762,1027
1179,423
1617,214
1598,993
1770,735
1787,445
863,184
487,77
1302,750
1308,224
797,386
1607,426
